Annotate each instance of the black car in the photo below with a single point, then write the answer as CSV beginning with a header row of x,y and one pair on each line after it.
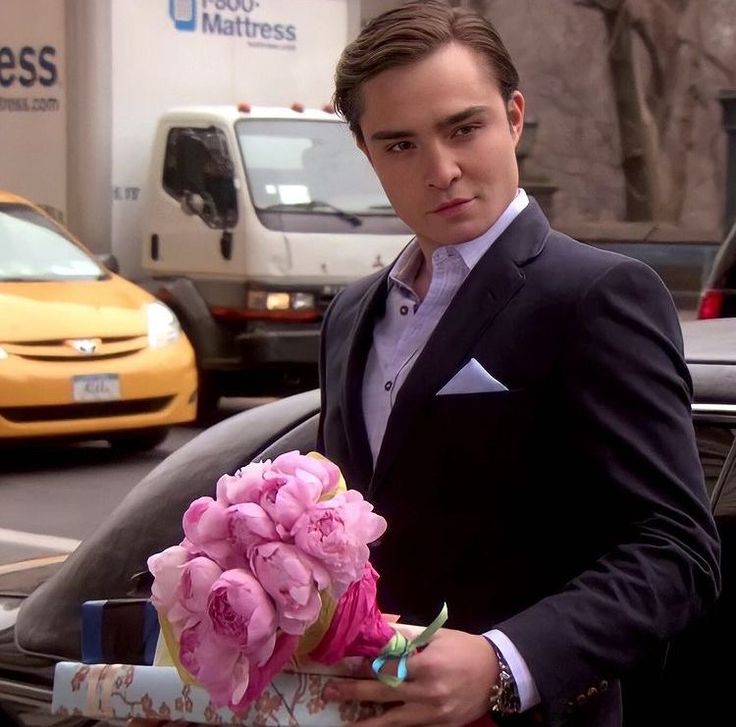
x,y
40,600
718,297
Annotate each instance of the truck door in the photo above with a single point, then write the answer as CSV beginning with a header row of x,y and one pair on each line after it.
x,y
194,205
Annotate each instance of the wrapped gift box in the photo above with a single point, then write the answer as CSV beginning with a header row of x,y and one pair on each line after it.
x,y
121,630
119,691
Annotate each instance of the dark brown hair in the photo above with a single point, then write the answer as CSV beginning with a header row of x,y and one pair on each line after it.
x,y
409,34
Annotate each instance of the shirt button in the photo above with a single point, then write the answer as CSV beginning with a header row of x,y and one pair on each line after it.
x,y
388,386
404,310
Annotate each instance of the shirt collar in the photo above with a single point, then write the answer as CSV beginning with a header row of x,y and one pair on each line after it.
x,y
405,268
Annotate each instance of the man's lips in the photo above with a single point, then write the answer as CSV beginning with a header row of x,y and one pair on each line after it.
x,y
454,206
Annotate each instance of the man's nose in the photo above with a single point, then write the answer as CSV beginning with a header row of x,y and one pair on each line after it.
x,y
441,167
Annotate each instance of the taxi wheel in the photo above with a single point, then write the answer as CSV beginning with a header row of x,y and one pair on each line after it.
x,y
208,397
139,441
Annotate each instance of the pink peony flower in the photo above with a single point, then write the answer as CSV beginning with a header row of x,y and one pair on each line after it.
x,y
249,525
293,580
300,465
243,615
206,526
216,663
288,486
286,497
204,521
357,627
243,486
337,532
230,677
197,577
181,587
166,570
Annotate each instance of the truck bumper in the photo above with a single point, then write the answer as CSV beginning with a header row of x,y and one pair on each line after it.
x,y
264,347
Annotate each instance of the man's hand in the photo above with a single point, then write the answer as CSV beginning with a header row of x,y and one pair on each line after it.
x,y
448,683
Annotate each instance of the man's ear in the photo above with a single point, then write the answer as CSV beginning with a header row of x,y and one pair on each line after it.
x,y
515,112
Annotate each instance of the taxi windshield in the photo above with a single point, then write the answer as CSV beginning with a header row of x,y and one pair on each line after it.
x,y
34,249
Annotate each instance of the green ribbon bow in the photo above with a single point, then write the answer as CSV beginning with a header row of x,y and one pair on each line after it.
x,y
399,647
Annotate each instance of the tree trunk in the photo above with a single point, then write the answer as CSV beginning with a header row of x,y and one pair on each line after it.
x,y
654,59
636,127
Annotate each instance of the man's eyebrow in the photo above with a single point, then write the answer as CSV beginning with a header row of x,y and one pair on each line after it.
x,y
384,135
462,116
457,118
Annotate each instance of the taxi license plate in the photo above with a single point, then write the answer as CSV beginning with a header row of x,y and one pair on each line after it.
x,y
96,387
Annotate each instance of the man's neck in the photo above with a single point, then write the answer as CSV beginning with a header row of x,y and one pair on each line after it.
x,y
423,277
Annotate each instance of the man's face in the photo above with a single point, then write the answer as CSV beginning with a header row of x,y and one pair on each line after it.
x,y
442,142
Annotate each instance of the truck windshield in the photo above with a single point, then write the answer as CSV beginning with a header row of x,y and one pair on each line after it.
x,y
308,165
34,249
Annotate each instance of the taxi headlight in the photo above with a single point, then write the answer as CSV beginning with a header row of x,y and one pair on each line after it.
x,y
3,353
163,326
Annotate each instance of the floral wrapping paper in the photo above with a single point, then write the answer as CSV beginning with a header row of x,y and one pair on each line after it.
x,y
119,691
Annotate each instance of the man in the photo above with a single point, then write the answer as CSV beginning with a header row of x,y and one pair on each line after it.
x,y
513,402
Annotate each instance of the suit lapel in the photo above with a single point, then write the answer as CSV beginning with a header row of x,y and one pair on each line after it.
x,y
489,287
371,306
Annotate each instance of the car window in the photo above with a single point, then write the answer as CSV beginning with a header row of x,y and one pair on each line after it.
x,y
683,267
717,449
32,248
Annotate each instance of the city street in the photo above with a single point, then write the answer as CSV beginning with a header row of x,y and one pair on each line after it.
x,y
54,496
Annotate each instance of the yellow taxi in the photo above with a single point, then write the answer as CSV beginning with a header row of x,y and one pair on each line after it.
x,y
84,353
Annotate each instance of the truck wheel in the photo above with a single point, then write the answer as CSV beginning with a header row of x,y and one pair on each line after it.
x,y
208,397
138,440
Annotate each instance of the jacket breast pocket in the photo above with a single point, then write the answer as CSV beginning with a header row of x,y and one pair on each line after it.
x,y
494,422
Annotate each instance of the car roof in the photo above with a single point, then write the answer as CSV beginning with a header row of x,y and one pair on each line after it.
x,y
10,198
710,352
710,341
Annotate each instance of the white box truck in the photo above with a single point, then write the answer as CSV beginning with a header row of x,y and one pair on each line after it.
x,y
245,221
253,218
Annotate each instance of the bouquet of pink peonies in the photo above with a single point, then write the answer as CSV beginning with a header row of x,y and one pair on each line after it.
x,y
275,569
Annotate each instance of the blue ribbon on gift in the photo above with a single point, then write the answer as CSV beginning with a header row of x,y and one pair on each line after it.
x,y
119,630
399,648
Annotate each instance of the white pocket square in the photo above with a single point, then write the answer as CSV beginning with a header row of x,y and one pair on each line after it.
x,y
471,379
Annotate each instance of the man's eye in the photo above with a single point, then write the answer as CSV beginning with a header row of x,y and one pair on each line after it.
x,y
400,146
465,130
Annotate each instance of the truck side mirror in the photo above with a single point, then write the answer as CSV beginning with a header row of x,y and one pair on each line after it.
x,y
109,261
192,203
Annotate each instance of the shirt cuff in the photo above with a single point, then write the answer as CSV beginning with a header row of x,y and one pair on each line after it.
x,y
528,694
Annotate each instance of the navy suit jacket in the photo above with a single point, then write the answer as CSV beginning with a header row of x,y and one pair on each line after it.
x,y
570,511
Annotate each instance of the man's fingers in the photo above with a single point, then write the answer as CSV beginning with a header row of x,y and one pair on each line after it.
x,y
366,690
402,715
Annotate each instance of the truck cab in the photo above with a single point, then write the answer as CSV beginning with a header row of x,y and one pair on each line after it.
x,y
254,218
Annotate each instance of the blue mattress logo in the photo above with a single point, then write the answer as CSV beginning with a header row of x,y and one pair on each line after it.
x,y
232,18
184,14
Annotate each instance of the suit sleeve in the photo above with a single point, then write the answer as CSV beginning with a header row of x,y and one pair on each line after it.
x,y
628,390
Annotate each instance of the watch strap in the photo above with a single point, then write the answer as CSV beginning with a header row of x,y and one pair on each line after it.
x,y
504,697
